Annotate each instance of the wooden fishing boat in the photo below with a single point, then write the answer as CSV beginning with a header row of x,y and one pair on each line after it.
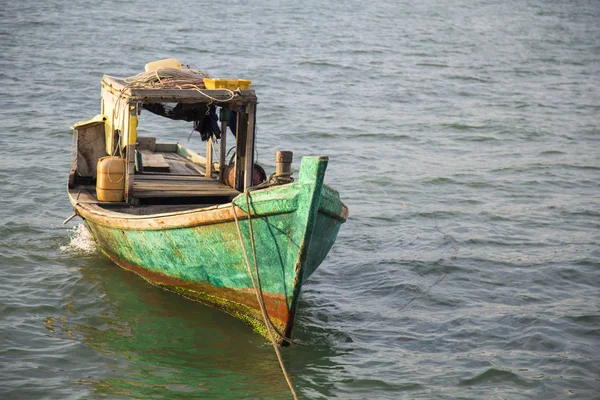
x,y
214,231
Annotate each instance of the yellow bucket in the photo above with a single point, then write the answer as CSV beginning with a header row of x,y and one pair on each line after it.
x,y
110,179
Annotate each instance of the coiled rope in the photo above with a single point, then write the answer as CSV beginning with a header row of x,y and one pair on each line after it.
x,y
173,78
166,76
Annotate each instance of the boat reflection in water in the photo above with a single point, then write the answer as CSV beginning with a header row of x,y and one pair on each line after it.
x,y
148,342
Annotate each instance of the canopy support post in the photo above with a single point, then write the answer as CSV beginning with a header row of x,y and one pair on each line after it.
x,y
222,161
129,172
209,157
249,162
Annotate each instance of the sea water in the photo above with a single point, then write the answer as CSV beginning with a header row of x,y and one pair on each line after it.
x,y
464,136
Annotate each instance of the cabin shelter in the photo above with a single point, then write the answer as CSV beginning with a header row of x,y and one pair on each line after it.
x,y
211,111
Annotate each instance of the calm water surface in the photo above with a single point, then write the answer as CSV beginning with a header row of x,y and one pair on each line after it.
x,y
464,136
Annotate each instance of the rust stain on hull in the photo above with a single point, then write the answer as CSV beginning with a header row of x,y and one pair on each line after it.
x,y
241,304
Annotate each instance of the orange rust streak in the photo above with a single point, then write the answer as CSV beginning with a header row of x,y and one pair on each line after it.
x,y
276,304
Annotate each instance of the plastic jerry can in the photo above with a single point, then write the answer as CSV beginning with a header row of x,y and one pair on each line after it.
x,y
110,179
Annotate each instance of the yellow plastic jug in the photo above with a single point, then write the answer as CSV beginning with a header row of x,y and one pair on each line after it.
x,y
110,179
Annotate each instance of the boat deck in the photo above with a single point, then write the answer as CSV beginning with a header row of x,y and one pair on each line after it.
x,y
171,175
168,185
167,177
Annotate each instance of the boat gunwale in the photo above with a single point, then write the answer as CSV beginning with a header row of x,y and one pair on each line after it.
x,y
221,213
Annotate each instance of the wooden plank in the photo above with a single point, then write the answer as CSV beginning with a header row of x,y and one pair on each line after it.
x,y
165,147
146,143
87,195
240,148
173,156
167,184
183,192
186,193
84,196
194,168
172,177
129,172
179,165
154,161
195,158
181,168
223,151
90,147
209,156
175,188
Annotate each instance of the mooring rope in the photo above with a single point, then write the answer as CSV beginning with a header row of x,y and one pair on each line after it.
x,y
274,179
258,292
444,273
258,283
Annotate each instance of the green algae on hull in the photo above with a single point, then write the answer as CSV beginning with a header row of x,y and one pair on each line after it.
x,y
294,227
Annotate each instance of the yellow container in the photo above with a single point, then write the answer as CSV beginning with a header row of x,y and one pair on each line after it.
x,y
226,83
168,62
110,179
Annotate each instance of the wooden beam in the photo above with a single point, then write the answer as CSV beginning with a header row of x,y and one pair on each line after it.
x,y
240,147
223,152
209,157
249,161
129,172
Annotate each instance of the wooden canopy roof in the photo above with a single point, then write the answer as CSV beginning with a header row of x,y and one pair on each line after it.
x,y
132,94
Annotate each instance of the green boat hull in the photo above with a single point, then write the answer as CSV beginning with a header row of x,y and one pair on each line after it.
x,y
198,253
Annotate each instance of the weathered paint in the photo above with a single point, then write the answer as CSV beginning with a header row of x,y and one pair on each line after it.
x,y
198,253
